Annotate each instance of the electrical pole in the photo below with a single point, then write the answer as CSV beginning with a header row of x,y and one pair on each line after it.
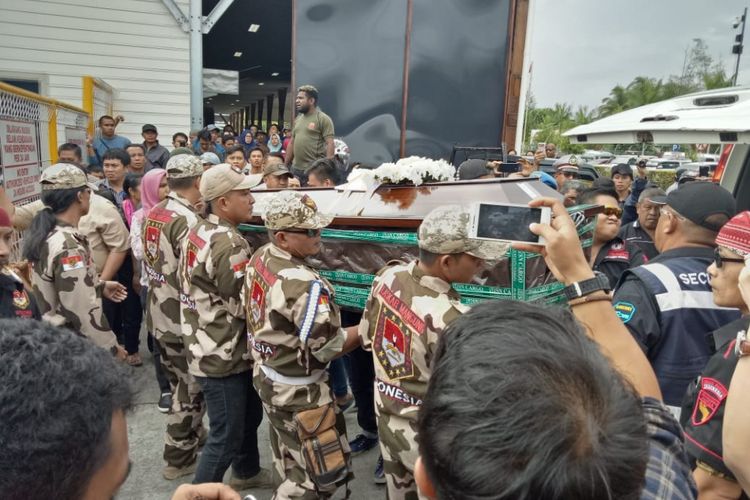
x,y
738,45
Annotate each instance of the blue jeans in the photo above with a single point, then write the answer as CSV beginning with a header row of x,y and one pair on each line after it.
x,y
234,413
337,372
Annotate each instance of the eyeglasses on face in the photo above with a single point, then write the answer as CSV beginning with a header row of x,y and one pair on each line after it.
x,y
719,259
610,211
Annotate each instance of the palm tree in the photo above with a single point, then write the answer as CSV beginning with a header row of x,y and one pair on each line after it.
x,y
643,90
561,116
584,115
616,101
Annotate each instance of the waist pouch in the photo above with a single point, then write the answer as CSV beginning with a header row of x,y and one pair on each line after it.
x,y
321,445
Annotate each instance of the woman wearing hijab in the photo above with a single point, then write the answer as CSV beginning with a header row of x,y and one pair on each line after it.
x,y
247,140
274,144
153,190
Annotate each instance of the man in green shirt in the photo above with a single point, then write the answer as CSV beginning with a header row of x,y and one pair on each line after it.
x,y
312,136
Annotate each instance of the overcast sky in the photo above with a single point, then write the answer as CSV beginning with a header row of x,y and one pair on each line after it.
x,y
580,49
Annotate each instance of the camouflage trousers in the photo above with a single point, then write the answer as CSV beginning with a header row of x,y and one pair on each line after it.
x,y
185,420
289,471
398,445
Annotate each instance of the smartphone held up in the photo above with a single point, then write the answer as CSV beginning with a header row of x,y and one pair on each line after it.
x,y
507,222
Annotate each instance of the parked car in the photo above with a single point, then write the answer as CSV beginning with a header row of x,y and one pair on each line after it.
x,y
708,157
666,163
596,157
627,159
710,117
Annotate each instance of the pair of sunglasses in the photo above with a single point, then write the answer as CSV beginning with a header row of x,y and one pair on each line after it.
x,y
310,233
719,260
610,211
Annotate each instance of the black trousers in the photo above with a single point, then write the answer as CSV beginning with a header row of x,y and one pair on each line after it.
x,y
153,346
125,317
361,378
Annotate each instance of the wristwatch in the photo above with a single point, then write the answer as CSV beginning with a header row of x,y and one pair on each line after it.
x,y
742,345
586,287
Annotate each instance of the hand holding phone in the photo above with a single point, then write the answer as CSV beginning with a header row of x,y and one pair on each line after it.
x,y
562,252
507,222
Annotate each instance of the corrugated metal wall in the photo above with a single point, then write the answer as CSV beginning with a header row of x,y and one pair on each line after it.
x,y
133,45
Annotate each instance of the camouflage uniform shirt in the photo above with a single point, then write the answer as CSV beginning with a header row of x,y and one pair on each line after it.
x,y
67,287
404,317
164,231
211,272
103,227
286,300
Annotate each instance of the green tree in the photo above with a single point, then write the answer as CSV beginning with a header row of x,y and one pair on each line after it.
x,y
643,90
699,72
550,123
615,102
584,115
677,86
698,62
716,78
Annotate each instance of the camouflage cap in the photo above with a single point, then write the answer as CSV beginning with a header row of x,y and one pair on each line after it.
x,y
182,166
180,151
62,176
445,230
219,180
293,210
277,169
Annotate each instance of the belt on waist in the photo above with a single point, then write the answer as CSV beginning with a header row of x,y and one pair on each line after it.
x,y
283,379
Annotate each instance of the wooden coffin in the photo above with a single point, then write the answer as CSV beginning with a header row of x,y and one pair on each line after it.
x,y
373,227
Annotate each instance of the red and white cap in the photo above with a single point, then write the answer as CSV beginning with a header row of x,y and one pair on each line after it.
x,y
735,235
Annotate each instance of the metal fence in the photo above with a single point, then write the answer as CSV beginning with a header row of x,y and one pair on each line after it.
x,y
31,129
98,99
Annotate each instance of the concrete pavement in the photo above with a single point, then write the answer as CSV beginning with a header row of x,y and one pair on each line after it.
x,y
146,426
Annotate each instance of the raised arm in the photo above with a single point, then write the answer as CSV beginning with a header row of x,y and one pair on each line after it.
x,y
564,256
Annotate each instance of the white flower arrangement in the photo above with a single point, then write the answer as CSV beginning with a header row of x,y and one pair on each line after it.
x,y
414,170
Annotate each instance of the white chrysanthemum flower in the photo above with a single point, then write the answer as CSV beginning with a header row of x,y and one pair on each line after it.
x,y
415,170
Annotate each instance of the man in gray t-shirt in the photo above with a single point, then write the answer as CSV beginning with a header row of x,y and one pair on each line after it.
x,y
312,136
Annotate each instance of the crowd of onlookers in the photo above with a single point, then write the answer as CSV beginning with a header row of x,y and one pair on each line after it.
x,y
640,391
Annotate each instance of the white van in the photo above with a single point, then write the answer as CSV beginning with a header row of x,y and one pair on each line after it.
x,y
711,117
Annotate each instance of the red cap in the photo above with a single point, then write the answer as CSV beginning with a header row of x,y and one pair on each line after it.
x,y
4,219
735,235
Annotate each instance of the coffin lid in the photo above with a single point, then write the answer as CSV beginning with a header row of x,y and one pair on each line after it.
x,y
405,206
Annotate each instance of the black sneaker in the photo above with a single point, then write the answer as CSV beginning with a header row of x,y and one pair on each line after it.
x,y
165,402
379,475
362,443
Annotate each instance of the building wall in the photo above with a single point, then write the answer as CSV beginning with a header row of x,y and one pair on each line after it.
x,y
135,46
